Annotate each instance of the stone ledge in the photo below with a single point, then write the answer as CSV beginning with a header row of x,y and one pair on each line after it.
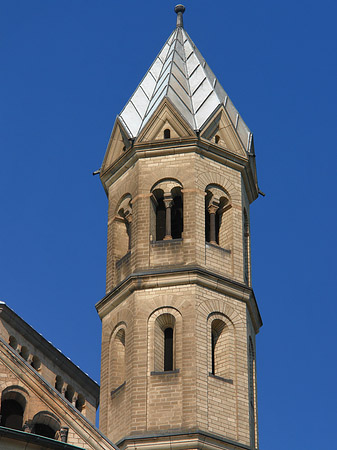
x,y
167,372
226,380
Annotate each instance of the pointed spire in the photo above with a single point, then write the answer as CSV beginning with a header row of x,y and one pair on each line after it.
x,y
180,9
180,74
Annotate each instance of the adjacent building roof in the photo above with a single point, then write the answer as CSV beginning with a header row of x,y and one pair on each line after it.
x,y
181,74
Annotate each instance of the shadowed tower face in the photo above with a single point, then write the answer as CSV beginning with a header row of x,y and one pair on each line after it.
x,y
179,317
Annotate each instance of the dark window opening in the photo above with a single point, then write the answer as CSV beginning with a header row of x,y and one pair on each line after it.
x,y
213,352
69,393
80,402
167,134
11,414
160,219
13,342
36,363
168,349
218,348
24,352
217,221
44,430
217,139
58,383
177,217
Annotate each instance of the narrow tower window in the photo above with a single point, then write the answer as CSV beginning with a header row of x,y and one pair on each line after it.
x,y
123,222
217,217
164,343
218,350
167,133
168,349
118,359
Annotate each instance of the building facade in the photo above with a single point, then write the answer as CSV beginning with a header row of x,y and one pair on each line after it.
x,y
179,318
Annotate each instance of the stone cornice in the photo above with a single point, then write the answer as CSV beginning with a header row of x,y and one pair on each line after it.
x,y
180,440
150,279
180,146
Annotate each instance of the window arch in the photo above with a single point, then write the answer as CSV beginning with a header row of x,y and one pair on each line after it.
x,y
36,363
69,393
164,343
123,220
117,358
217,216
167,133
216,138
80,402
218,339
45,424
24,352
13,342
167,211
221,338
13,405
59,383
164,340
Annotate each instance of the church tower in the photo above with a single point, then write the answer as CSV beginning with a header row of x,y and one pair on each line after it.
x,y
179,317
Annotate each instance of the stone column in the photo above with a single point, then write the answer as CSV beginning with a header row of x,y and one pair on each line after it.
x,y
212,209
168,201
128,220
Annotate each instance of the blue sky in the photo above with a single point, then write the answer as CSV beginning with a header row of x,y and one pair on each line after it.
x,y
67,69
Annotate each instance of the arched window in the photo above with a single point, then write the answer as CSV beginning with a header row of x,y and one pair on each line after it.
x,y
218,340
45,424
217,217
11,414
246,246
13,342
80,402
36,363
59,383
164,343
167,211
117,359
123,221
167,133
160,214
217,138
177,213
13,404
24,352
69,393
168,349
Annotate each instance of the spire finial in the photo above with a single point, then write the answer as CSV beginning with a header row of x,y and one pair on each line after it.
x,y
180,9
